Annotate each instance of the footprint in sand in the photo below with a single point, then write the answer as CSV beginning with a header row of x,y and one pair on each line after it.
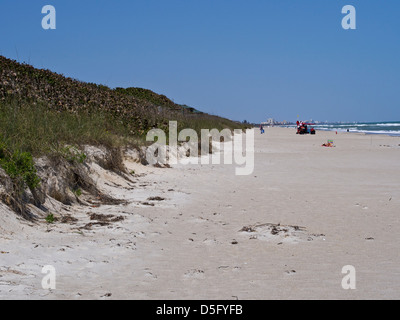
x,y
194,274
362,206
150,275
211,242
228,269
124,244
290,272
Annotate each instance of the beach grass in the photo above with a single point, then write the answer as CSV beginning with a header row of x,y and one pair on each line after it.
x,y
35,129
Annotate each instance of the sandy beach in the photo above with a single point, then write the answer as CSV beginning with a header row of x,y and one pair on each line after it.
x,y
201,232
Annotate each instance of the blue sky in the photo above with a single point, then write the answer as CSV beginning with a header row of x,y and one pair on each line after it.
x,y
250,60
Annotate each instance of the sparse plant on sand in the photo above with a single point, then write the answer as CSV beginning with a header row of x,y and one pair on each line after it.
x,y
50,218
78,192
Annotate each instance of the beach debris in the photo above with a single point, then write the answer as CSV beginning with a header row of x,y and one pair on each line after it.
x,y
389,146
223,267
11,271
283,233
105,218
89,226
318,235
155,199
101,220
275,230
158,165
68,219
148,204
248,229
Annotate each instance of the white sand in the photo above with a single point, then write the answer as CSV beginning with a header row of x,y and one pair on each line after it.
x,y
189,246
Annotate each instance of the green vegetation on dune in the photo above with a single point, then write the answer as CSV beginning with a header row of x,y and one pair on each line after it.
x,y
19,166
46,108
147,95
162,102
36,129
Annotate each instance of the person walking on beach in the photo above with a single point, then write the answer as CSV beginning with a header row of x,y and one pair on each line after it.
x,y
261,129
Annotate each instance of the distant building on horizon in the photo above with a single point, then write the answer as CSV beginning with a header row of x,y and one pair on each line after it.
x,y
269,122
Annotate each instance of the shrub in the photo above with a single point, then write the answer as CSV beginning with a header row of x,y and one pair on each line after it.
x,y
19,166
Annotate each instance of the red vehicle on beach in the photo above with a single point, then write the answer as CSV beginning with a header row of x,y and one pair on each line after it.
x,y
304,128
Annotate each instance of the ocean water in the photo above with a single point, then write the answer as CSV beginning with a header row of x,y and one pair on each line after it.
x,y
388,128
